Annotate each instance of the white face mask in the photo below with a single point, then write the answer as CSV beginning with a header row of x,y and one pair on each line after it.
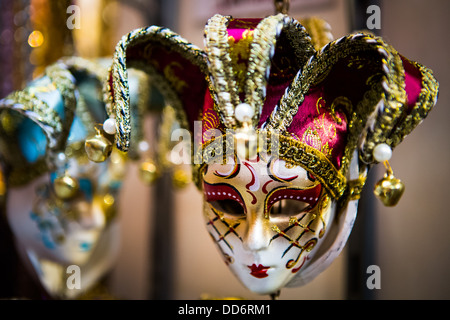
x,y
64,231
267,217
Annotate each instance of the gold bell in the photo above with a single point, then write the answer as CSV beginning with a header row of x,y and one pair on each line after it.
x,y
98,147
181,178
65,187
108,205
389,189
148,172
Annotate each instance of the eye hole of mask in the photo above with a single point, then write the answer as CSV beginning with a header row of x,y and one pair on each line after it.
x,y
228,206
288,208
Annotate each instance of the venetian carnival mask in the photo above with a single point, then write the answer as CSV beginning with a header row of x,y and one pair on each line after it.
x,y
285,124
61,206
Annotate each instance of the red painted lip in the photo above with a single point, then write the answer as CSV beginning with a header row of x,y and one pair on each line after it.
x,y
259,271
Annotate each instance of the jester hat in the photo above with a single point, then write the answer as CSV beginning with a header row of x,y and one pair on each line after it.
x,y
52,115
328,101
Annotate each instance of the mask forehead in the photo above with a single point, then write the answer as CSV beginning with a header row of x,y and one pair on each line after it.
x,y
262,174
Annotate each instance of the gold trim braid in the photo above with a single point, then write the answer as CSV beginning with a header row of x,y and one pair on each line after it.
x,y
427,99
281,146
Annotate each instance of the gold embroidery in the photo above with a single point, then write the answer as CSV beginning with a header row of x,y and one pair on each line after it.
x,y
210,121
356,62
312,138
342,102
320,124
172,77
318,105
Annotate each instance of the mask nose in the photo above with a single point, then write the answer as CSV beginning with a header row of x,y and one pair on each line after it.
x,y
90,216
258,233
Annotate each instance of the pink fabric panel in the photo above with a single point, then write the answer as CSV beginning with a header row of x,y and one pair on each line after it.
x,y
413,83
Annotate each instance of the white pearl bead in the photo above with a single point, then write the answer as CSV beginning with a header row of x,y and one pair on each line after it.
x,y
243,112
143,146
382,152
110,126
61,159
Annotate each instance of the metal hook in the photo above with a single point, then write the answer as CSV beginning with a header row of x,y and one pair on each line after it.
x,y
388,167
281,6
275,295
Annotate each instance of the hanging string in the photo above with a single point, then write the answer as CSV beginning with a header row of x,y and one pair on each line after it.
x,y
388,167
281,6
